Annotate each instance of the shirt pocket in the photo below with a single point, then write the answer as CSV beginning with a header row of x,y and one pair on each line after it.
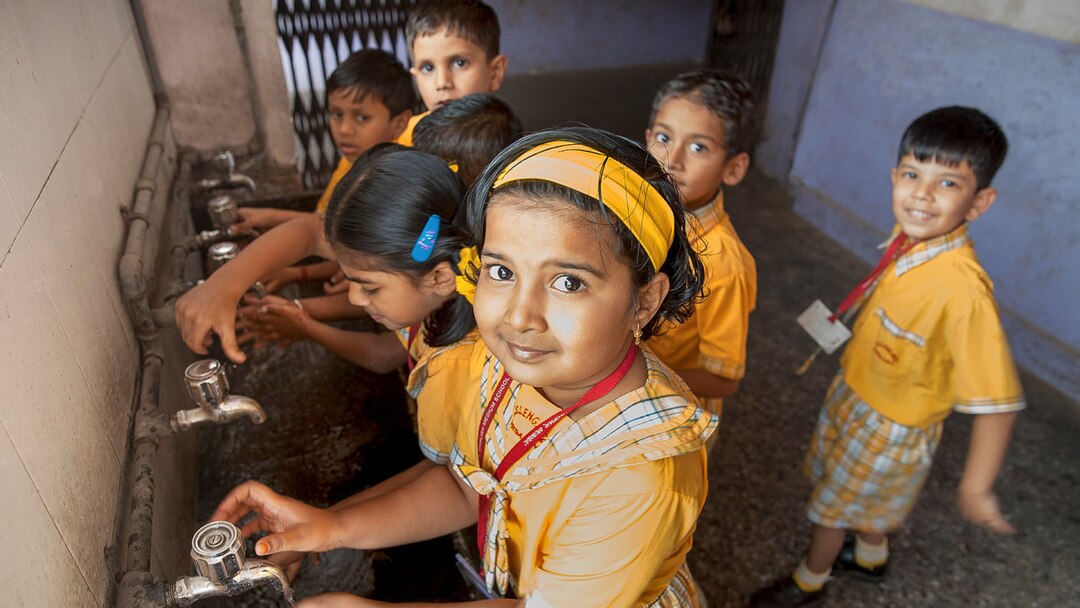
x,y
895,347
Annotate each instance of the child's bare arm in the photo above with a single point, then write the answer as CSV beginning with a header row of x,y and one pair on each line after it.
x,y
706,384
263,218
989,441
332,308
211,307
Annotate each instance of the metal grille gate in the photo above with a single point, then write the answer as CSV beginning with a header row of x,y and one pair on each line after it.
x,y
314,36
744,39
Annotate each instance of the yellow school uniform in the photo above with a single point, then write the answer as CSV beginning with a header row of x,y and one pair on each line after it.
x,y
714,338
437,382
602,511
345,164
405,138
929,339
343,167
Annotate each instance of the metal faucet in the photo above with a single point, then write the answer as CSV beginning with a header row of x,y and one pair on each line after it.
x,y
217,550
232,179
209,387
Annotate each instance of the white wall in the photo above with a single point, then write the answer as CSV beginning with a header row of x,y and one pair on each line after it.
x,y
75,112
1051,18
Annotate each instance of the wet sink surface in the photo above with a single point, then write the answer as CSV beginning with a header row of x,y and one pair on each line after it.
x,y
332,429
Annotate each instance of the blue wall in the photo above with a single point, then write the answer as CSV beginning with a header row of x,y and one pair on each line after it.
x,y
564,35
856,72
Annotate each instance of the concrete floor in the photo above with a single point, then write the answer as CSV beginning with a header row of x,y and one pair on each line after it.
x,y
753,528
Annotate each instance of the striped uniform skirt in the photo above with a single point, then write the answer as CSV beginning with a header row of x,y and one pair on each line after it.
x,y
867,470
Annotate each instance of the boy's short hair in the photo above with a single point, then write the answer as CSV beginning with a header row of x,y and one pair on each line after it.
x,y
726,95
378,73
469,131
954,134
472,20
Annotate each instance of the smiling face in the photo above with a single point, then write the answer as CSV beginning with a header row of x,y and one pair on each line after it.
x,y
358,124
554,302
689,140
931,199
395,299
450,67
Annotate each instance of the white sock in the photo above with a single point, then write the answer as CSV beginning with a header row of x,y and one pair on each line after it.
x,y
808,580
870,556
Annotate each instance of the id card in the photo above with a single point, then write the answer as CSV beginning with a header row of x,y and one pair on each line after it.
x,y
830,335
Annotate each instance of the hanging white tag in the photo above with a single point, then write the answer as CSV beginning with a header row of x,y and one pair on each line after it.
x,y
830,335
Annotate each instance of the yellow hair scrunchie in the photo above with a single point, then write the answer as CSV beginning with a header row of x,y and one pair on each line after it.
x,y
633,200
468,269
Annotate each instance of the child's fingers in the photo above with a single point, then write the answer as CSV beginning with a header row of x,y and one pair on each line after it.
x,y
227,333
296,538
239,501
1000,525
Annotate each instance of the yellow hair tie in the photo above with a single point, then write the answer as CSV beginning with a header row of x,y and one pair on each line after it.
x,y
468,270
453,166
632,199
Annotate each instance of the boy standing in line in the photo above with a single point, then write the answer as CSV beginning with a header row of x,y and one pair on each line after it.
x,y
455,52
928,341
702,129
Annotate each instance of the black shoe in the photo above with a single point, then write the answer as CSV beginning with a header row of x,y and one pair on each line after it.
x,y
784,593
845,565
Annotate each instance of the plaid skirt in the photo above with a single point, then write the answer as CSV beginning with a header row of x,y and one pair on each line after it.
x,y
867,470
682,592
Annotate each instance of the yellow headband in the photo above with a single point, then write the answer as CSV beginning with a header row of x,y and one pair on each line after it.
x,y
636,203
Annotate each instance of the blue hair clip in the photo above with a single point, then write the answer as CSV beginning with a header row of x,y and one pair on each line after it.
x,y
425,243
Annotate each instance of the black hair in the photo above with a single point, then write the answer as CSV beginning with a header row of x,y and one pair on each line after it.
x,y
955,134
468,131
472,20
682,265
726,95
379,210
375,72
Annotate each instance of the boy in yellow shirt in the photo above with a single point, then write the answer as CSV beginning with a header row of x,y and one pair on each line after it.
x,y
369,100
455,52
702,128
928,341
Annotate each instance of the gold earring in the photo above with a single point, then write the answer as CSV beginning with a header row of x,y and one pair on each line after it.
x,y
637,335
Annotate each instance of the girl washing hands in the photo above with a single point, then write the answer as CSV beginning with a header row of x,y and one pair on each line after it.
x,y
580,456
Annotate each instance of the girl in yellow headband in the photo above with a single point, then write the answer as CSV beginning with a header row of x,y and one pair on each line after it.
x,y
580,456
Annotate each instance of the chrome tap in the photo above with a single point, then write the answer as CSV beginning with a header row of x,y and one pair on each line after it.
x,y
223,211
217,550
220,253
232,178
209,388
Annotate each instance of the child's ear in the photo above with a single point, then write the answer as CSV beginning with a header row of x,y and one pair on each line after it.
x,y
441,279
983,200
398,123
649,298
735,169
498,72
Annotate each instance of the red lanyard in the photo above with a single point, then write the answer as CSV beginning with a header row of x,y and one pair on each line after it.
x,y
898,247
538,433
414,329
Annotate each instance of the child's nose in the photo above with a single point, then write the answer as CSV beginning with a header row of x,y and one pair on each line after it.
x,y
523,311
357,297
443,79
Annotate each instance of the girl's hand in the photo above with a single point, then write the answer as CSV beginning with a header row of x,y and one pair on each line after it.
x,y
256,218
275,282
290,524
273,319
336,284
982,508
205,310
